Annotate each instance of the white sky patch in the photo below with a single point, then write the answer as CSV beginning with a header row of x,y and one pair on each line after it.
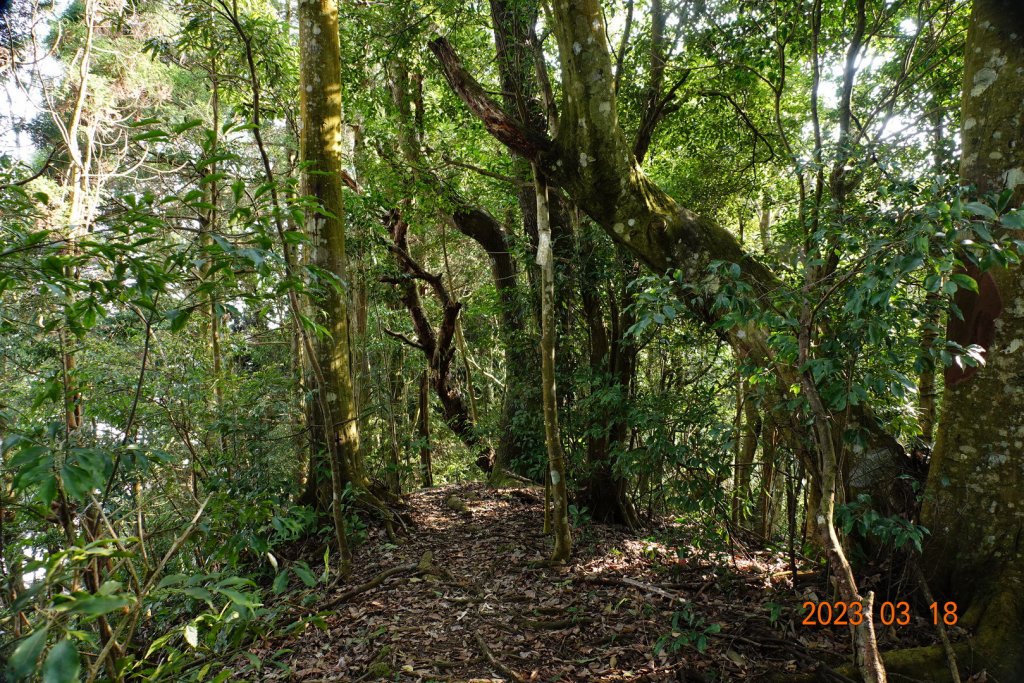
x,y
22,96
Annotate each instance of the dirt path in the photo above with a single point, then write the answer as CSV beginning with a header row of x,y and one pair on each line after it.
x,y
492,614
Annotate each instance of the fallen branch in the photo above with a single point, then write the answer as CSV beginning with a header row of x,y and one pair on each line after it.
x,y
495,662
422,567
554,624
626,581
940,626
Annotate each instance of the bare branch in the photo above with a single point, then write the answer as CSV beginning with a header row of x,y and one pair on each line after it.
x,y
507,130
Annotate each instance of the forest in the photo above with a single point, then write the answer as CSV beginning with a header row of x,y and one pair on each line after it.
x,y
512,340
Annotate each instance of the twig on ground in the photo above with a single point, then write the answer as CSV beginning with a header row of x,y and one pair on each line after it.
x,y
495,662
422,567
940,626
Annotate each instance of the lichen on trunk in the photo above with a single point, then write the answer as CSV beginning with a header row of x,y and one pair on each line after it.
x,y
974,499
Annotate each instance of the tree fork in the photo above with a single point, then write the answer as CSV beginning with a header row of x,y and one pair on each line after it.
x,y
437,345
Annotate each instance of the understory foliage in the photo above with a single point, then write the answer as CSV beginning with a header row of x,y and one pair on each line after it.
x,y
158,440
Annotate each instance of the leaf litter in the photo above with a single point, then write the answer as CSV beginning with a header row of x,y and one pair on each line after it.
x,y
624,609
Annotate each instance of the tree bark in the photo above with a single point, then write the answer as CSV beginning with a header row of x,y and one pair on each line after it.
x,y
520,426
751,434
321,148
974,501
437,345
612,364
517,56
769,490
396,402
556,458
423,432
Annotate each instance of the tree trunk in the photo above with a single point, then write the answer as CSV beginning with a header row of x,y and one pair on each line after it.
x,y
522,422
437,345
520,426
974,502
751,433
612,363
321,149
423,431
396,391
827,462
769,490
556,458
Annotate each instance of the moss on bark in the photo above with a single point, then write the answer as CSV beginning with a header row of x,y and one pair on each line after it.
x,y
974,503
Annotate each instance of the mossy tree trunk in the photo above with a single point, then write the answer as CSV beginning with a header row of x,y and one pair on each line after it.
x,y
748,441
522,422
321,148
974,502
604,490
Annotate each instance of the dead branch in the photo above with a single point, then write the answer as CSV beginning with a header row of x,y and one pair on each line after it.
x,y
424,566
495,662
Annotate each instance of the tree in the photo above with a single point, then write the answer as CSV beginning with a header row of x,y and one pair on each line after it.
x,y
321,150
556,457
974,501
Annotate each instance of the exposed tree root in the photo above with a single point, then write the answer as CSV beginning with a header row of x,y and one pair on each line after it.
x,y
553,624
424,566
503,669
903,666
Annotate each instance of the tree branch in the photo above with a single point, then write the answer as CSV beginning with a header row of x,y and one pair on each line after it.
x,y
507,130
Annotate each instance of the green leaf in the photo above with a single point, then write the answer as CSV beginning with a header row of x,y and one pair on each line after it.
x,y
48,490
97,605
965,281
171,580
1013,220
156,134
199,593
240,599
178,318
303,572
186,125
280,583
78,482
979,209
23,660
62,665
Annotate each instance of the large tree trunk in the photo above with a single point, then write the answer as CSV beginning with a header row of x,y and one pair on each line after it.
x,y
521,426
521,423
612,364
974,502
321,148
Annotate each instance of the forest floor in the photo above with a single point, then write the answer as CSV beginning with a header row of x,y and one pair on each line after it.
x,y
488,610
